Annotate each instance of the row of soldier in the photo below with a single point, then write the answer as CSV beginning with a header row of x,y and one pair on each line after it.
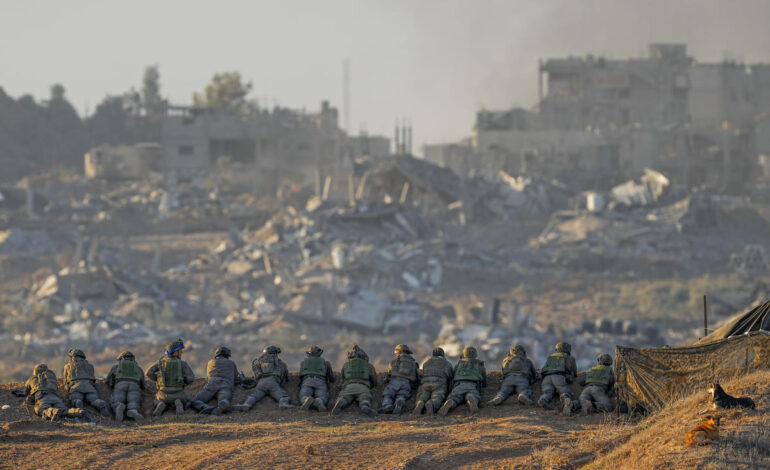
x,y
440,386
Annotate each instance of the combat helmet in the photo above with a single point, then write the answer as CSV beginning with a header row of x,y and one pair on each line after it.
x,y
314,351
174,346
604,359
517,350
470,352
40,368
563,347
73,353
272,349
222,351
356,351
438,352
126,355
403,349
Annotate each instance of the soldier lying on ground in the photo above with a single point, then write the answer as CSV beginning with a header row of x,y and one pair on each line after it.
x,y
42,392
599,385
126,379
359,377
518,376
222,375
79,382
171,375
559,371
470,376
271,374
315,375
403,375
436,379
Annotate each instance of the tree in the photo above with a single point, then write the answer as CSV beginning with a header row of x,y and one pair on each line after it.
x,y
152,102
57,92
226,91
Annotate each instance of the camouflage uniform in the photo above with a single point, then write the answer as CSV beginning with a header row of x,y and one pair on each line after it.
x,y
559,371
222,375
171,375
271,374
79,382
127,382
519,375
470,376
599,384
42,392
315,375
358,377
437,376
403,375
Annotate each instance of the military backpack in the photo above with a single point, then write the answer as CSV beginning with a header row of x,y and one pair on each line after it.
x,y
128,370
468,370
599,375
313,366
556,363
170,379
46,382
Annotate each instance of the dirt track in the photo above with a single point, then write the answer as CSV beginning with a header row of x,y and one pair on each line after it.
x,y
501,437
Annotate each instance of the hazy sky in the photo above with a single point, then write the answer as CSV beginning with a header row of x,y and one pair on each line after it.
x,y
435,62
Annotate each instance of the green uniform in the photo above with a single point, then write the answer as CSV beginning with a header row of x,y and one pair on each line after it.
x,y
126,378
79,381
437,376
358,377
599,383
171,375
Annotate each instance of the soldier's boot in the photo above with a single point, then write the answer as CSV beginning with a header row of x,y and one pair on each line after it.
x,y
135,415
179,406
495,401
446,408
120,408
367,409
566,409
57,414
307,403
75,413
337,408
208,409
473,404
429,407
525,400
104,410
319,404
418,407
285,403
398,407
159,408
217,411
585,407
543,403
385,409
77,403
245,406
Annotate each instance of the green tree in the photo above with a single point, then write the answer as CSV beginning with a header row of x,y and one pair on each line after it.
x,y
153,104
226,91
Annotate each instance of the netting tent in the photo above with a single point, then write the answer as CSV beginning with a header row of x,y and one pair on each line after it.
x,y
649,378
756,319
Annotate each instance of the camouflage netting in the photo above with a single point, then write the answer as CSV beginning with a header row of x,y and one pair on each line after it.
x,y
652,377
755,319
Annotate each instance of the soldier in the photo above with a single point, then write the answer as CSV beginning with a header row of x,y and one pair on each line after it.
x,y
358,377
79,381
559,371
171,375
127,382
271,374
599,385
518,376
403,375
315,375
42,392
437,376
222,375
469,376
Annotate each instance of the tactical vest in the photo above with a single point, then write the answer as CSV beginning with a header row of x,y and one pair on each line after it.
x,y
357,370
170,379
128,370
46,382
599,375
222,368
313,365
81,370
515,365
267,366
403,367
468,370
556,363
435,367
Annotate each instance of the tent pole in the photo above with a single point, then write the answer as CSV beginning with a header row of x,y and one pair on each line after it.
x,y
705,317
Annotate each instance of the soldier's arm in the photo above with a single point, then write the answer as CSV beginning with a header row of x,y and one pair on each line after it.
x,y
483,374
611,388
329,372
573,366
141,379
110,380
532,372
152,372
187,373
372,376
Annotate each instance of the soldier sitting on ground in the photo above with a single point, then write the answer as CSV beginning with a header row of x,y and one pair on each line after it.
x,y
271,374
518,376
470,376
126,379
359,377
42,392
403,375
171,375
315,374
436,379
79,381
559,371
222,375
599,385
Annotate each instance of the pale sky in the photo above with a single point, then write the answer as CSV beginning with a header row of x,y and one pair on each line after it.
x,y
435,62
